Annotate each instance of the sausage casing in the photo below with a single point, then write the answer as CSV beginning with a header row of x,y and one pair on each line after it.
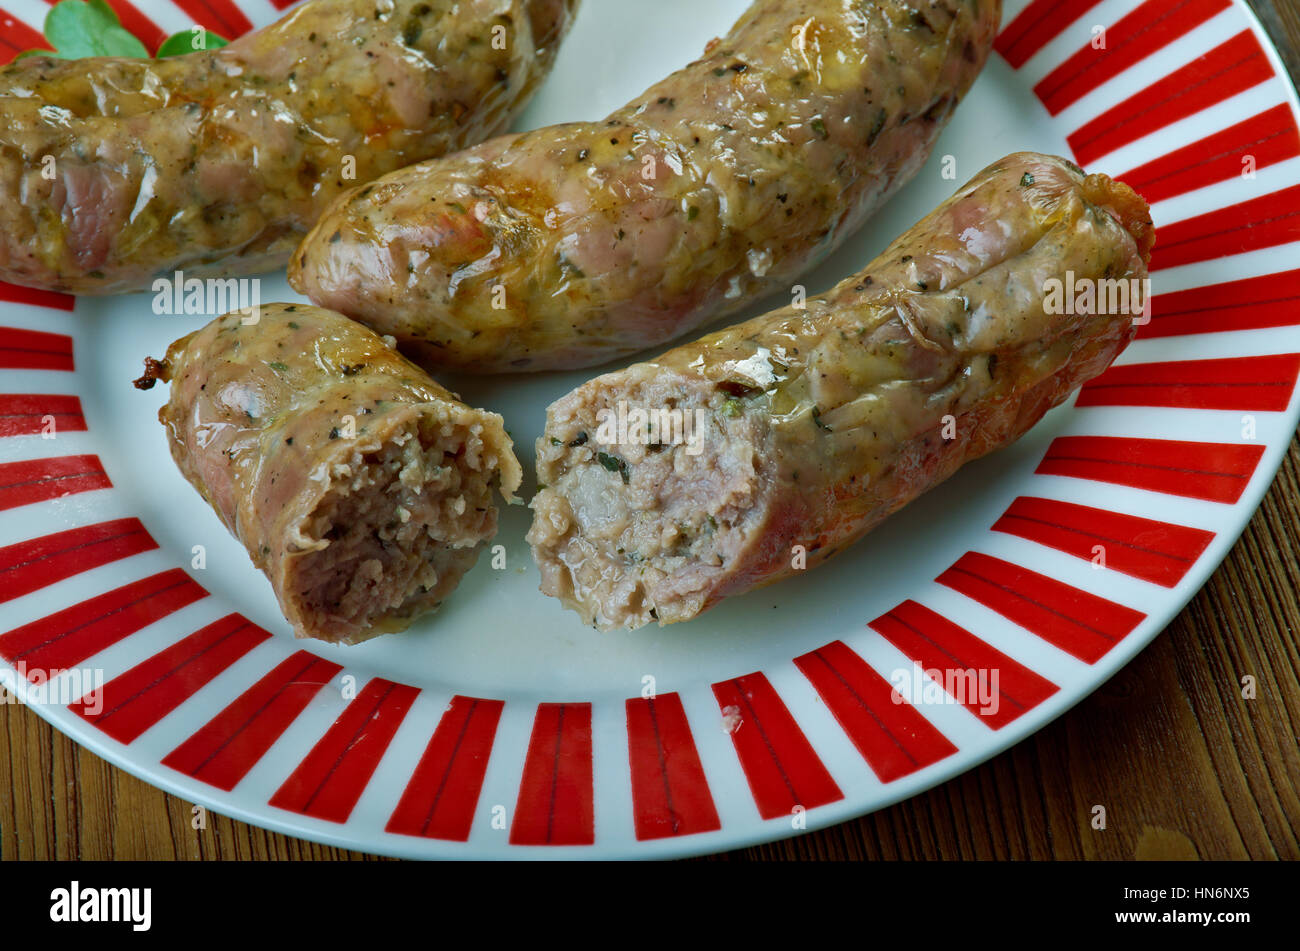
x,y
113,170
361,487
572,245
817,423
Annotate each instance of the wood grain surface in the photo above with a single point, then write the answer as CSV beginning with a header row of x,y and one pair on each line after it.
x,y
1183,765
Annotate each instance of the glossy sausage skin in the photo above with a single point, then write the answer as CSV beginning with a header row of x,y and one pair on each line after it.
x,y
361,488
219,161
576,244
818,423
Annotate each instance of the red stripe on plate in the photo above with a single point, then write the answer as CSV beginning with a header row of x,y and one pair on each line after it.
x,y
1269,301
17,37
68,637
891,734
131,703
29,566
555,793
1038,24
440,799
223,751
1217,472
23,414
1237,383
16,294
1226,70
36,480
1262,222
222,17
670,795
1081,624
136,23
780,766
149,32
938,645
330,780
1267,138
1149,28
1153,551
34,350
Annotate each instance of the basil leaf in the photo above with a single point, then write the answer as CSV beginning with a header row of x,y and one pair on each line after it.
x,y
80,28
77,29
178,44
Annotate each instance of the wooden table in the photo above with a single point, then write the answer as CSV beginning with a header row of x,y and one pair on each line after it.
x,y
1184,766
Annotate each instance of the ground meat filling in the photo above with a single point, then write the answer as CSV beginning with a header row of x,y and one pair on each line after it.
x,y
400,524
630,533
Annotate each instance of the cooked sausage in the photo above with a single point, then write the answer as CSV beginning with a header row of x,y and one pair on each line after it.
x,y
817,423
114,170
572,245
361,488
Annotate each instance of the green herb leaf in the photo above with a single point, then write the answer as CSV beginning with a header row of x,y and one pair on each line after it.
x,y
178,44
614,464
817,418
81,28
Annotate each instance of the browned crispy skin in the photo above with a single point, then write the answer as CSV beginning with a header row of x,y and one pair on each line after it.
x,y
821,422
219,161
361,487
573,245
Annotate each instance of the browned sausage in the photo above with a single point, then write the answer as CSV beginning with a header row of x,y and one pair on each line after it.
x,y
113,170
572,245
817,423
361,488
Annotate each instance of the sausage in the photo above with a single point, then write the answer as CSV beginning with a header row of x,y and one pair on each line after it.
x,y
573,245
814,424
114,170
361,488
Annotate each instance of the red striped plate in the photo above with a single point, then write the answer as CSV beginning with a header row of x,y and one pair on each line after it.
x,y
503,727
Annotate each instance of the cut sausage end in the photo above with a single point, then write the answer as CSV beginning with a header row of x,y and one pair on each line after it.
x,y
653,490
398,524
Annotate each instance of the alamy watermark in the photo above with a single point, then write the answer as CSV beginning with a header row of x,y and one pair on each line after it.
x,y
1115,296
967,686
57,685
80,903
652,427
180,295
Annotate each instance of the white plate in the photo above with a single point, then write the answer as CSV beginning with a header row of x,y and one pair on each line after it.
x,y
366,748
